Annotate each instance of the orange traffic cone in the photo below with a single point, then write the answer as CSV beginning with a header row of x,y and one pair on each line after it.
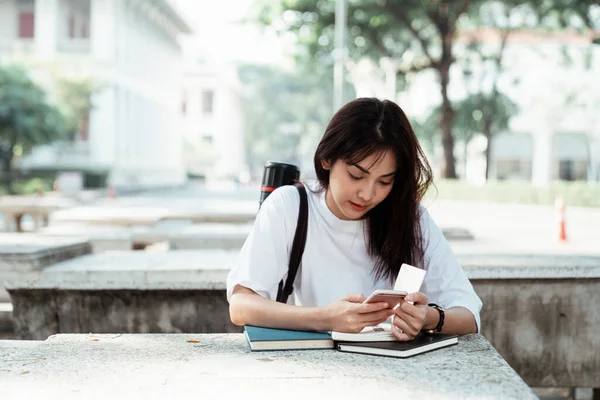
x,y
560,212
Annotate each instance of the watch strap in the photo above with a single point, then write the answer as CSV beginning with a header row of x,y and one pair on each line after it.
x,y
440,324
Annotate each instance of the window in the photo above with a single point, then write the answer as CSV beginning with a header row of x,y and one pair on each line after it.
x,y
78,26
207,101
26,24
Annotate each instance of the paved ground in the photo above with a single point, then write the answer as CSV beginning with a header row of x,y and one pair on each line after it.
x,y
513,228
498,228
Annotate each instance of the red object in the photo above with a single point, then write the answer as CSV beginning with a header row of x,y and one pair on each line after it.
x,y
26,25
560,210
267,189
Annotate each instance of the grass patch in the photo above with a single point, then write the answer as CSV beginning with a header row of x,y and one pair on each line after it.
x,y
581,194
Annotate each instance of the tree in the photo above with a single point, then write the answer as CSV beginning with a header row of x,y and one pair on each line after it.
x,y
75,100
503,18
27,118
488,111
415,34
286,111
473,117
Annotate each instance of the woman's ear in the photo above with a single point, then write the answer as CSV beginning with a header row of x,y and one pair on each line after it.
x,y
326,165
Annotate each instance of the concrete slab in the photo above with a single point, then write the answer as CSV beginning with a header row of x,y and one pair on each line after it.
x,y
101,238
530,266
110,215
210,236
24,255
129,269
38,207
221,366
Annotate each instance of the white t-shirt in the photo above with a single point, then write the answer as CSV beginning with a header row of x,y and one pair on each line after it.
x,y
335,262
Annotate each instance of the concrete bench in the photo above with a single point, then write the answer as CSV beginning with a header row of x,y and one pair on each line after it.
x,y
210,236
101,238
110,215
172,292
213,210
224,235
221,366
540,312
23,255
38,207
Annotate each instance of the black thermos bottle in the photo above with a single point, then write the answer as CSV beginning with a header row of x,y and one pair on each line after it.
x,y
277,174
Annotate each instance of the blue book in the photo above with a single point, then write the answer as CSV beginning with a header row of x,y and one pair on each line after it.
x,y
260,339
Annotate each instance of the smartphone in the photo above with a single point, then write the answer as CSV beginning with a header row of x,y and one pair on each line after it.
x,y
392,297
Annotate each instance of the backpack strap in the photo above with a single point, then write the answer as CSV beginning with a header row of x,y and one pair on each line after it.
x,y
297,247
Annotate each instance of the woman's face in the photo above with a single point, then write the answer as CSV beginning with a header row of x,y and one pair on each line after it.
x,y
354,189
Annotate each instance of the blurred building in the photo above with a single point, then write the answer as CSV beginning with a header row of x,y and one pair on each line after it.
x,y
553,79
556,134
213,122
130,50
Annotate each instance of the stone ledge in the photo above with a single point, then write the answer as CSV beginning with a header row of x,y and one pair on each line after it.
x,y
203,284
23,251
149,366
503,266
208,269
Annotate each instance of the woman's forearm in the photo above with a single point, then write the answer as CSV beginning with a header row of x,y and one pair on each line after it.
x,y
248,308
457,320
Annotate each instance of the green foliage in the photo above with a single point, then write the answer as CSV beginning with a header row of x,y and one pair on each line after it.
x,y
75,98
404,30
285,111
27,118
417,34
470,118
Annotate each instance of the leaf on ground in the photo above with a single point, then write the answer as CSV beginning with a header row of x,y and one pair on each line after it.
x,y
24,372
193,341
94,339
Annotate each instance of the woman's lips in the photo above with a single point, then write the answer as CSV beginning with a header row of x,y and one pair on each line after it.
x,y
358,207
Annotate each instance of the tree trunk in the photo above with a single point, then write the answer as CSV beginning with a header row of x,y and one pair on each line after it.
x,y
7,175
488,150
448,168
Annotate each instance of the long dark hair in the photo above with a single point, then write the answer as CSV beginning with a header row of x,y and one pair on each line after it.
x,y
367,126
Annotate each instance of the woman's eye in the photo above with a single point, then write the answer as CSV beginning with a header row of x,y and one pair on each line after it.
x,y
356,178
385,183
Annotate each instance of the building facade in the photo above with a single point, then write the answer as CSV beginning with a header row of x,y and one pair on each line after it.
x,y
552,78
130,49
213,122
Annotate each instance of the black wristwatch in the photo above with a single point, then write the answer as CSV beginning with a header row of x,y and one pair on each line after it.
x,y
440,324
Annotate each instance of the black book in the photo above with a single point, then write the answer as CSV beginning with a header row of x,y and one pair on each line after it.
x,y
421,344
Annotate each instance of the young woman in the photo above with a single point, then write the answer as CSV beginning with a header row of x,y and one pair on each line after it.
x,y
365,220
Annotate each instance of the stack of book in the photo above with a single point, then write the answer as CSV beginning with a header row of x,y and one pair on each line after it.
x,y
377,340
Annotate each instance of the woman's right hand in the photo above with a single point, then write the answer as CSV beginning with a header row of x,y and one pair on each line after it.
x,y
350,315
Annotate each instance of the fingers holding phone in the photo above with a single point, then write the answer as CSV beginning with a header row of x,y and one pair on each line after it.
x,y
353,314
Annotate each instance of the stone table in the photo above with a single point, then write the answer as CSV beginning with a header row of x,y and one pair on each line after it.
x,y
210,236
111,215
99,366
39,207
213,210
24,255
101,238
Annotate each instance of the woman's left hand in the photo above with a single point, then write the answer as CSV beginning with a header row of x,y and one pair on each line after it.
x,y
410,319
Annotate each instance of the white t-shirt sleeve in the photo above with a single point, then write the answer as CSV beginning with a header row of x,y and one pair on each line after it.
x,y
445,282
264,257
